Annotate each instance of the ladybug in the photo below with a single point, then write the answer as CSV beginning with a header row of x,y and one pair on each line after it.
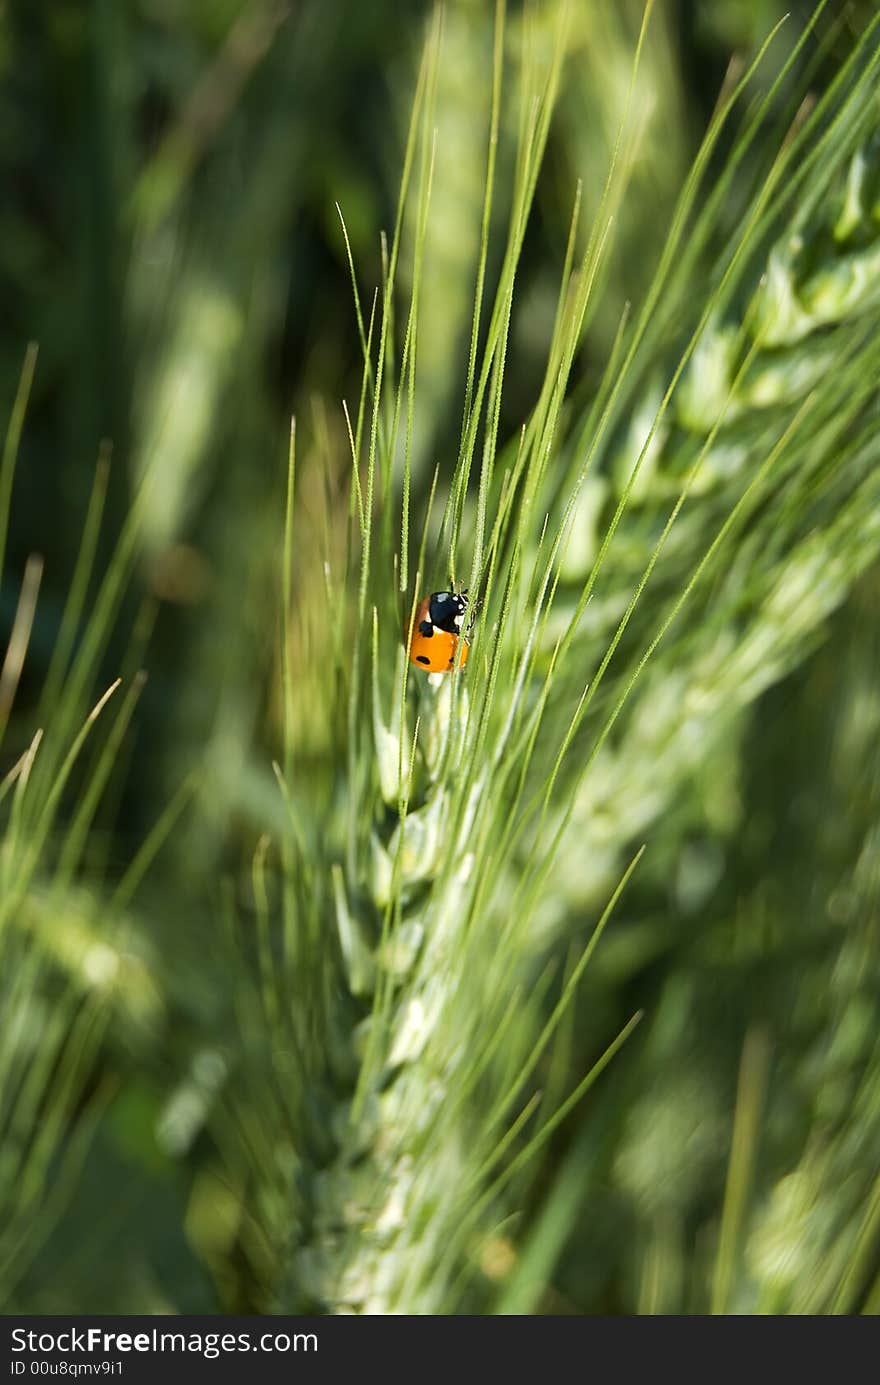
x,y
437,630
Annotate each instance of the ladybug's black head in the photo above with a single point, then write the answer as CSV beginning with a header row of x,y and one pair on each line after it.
x,y
446,610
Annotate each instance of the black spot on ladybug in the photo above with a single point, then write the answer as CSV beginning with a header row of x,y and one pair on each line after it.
x,y
423,659
426,629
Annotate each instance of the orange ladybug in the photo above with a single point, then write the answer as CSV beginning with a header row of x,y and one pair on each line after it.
x,y
437,630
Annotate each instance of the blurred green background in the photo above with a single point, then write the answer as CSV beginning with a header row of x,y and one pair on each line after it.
x,y
170,239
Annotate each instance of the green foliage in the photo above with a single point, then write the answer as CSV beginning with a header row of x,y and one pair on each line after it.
x,y
547,985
